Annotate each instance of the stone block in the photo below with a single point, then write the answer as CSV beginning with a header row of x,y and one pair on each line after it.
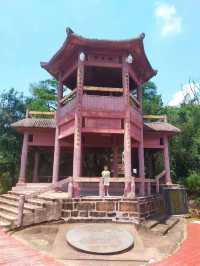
x,y
66,213
68,206
111,214
127,206
85,206
83,213
97,214
142,208
74,213
105,206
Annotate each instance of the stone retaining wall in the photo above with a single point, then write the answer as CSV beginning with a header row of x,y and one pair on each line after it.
x,y
112,209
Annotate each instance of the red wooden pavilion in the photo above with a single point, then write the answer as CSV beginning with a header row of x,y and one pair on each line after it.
x,y
102,114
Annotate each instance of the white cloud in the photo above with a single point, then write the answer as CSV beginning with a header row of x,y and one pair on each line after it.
x,y
168,20
187,92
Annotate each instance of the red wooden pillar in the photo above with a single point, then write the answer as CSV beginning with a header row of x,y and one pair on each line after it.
x,y
56,159
141,150
127,130
36,166
24,157
115,157
77,164
166,160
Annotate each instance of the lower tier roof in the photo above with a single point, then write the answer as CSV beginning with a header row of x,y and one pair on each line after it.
x,y
51,124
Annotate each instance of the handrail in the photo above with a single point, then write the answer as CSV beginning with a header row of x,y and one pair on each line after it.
x,y
68,97
161,118
135,100
157,178
102,89
23,197
97,179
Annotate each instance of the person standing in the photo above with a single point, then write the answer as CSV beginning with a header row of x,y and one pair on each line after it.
x,y
105,174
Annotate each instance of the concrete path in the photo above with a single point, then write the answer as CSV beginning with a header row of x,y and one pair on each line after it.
x,y
189,252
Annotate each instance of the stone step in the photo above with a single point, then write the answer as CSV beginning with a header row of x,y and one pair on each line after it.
x,y
10,197
152,222
27,206
164,227
26,191
11,209
86,219
5,225
38,184
39,202
7,217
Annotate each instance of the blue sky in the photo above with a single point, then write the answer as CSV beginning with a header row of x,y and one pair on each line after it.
x,y
32,31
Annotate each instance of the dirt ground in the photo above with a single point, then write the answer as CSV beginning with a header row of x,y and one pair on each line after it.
x,y
148,246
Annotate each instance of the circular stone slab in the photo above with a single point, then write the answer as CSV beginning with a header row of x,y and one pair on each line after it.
x,y
99,239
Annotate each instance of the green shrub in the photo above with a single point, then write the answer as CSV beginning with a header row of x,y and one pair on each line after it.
x,y
193,183
5,183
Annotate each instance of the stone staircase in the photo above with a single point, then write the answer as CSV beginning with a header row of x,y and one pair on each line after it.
x,y
37,209
161,225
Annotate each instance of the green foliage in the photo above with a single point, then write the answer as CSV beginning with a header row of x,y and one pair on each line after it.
x,y
185,147
12,108
43,96
152,101
193,183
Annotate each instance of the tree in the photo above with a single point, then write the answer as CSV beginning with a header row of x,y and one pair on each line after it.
x,y
43,96
12,108
152,101
185,147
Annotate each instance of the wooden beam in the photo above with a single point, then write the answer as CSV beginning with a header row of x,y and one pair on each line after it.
x,y
155,117
69,72
134,77
103,130
103,64
102,89
37,113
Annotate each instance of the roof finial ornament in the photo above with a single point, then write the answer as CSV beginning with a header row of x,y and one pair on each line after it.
x,y
129,59
155,71
142,35
69,31
82,56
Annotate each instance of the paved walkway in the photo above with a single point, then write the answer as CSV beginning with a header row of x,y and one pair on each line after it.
x,y
189,253
15,253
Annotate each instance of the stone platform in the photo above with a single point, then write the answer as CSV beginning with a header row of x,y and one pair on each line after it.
x,y
115,209
100,239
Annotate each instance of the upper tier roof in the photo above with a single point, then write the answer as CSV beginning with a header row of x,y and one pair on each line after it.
x,y
75,43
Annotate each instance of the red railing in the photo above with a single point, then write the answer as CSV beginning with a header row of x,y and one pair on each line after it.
x,y
103,103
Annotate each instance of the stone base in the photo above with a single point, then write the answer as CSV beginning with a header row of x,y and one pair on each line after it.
x,y
112,209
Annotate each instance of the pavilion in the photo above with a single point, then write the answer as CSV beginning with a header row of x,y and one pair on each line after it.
x,y
98,118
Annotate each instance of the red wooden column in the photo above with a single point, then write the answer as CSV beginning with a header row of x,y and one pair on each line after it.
x,y
141,150
36,166
115,158
166,160
77,165
115,149
127,130
24,156
56,159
